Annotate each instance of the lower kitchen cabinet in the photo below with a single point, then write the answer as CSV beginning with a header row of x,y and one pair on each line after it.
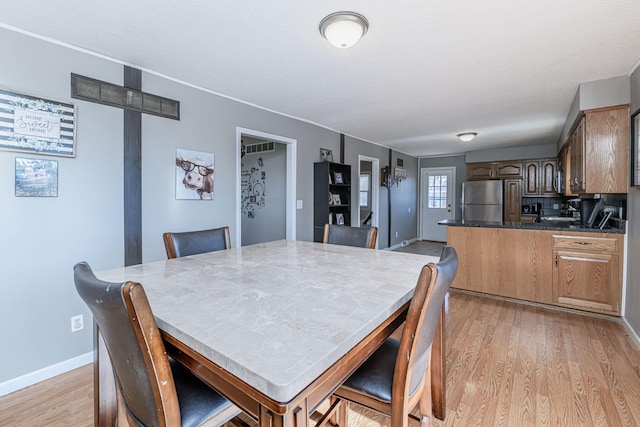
x,y
569,269
587,273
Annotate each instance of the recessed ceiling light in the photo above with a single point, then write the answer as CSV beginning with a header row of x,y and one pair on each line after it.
x,y
344,29
467,136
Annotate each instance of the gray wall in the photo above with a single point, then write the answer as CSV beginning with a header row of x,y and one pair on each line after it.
x,y
85,222
512,153
352,149
404,200
595,94
632,303
269,220
461,174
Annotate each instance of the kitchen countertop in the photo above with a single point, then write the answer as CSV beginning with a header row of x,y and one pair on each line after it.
x,y
542,225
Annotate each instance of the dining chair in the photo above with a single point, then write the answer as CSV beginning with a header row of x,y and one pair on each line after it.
x,y
362,237
155,389
188,243
397,377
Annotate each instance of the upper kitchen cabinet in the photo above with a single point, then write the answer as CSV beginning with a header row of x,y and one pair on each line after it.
x,y
541,178
599,148
494,170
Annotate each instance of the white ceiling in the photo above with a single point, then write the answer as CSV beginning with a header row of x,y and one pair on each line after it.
x,y
425,71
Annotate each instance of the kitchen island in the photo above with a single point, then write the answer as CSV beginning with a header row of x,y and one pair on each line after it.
x,y
551,262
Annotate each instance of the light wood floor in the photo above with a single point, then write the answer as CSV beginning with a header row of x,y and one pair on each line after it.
x,y
507,365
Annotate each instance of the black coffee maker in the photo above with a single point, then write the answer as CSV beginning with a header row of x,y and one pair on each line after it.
x,y
586,206
536,208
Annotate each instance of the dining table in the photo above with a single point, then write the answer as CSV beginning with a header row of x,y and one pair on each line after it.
x,y
275,327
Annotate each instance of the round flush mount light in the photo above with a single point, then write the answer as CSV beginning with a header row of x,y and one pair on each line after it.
x,y
467,136
344,29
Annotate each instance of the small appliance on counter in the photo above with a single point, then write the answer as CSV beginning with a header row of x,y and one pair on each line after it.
x,y
536,208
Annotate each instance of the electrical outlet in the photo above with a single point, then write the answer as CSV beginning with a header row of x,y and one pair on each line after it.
x,y
77,323
396,234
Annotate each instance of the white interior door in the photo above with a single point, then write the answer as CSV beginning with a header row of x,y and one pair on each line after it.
x,y
437,193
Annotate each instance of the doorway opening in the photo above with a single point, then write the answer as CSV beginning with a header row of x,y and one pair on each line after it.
x,y
368,191
265,187
437,195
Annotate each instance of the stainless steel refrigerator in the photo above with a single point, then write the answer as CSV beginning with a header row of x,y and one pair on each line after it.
x,y
483,201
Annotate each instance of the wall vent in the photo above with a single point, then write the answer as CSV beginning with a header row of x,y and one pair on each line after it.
x,y
260,147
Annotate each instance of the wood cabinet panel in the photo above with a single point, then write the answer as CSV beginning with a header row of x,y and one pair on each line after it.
x,y
586,281
478,171
548,267
587,272
531,179
540,178
506,262
548,177
512,200
494,170
607,151
508,169
599,150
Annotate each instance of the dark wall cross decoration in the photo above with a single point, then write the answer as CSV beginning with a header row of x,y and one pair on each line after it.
x,y
134,102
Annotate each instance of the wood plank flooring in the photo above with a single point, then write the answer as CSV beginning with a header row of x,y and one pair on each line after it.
x,y
507,365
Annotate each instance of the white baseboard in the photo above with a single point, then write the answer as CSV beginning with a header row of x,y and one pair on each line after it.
x,y
401,244
633,335
34,377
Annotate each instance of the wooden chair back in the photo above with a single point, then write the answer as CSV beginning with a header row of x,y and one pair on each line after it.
x,y
362,237
411,378
141,367
188,243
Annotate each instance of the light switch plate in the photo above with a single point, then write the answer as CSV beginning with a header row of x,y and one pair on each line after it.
x,y
298,204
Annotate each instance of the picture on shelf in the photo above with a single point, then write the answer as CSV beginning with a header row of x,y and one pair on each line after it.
x,y
338,177
335,199
326,155
339,219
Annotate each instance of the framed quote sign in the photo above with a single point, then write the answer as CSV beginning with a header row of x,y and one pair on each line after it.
x,y
31,124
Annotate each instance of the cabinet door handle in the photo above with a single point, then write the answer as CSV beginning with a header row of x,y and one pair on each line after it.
x,y
582,243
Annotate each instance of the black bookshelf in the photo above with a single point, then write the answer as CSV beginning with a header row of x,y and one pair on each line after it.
x,y
331,196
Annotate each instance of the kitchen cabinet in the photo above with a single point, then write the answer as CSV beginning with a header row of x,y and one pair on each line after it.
x,y
579,270
599,148
506,262
540,178
512,200
587,273
564,165
494,170
331,196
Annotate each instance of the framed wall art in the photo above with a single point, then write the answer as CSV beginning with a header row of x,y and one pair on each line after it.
x,y
326,155
36,178
194,175
31,124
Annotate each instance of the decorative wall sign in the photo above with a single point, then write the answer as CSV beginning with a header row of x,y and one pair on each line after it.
x,y
35,125
252,184
194,175
36,178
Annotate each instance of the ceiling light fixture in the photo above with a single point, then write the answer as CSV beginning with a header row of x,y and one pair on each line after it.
x,y
467,136
344,29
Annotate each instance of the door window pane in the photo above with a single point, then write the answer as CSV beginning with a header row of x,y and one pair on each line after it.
x,y
437,192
